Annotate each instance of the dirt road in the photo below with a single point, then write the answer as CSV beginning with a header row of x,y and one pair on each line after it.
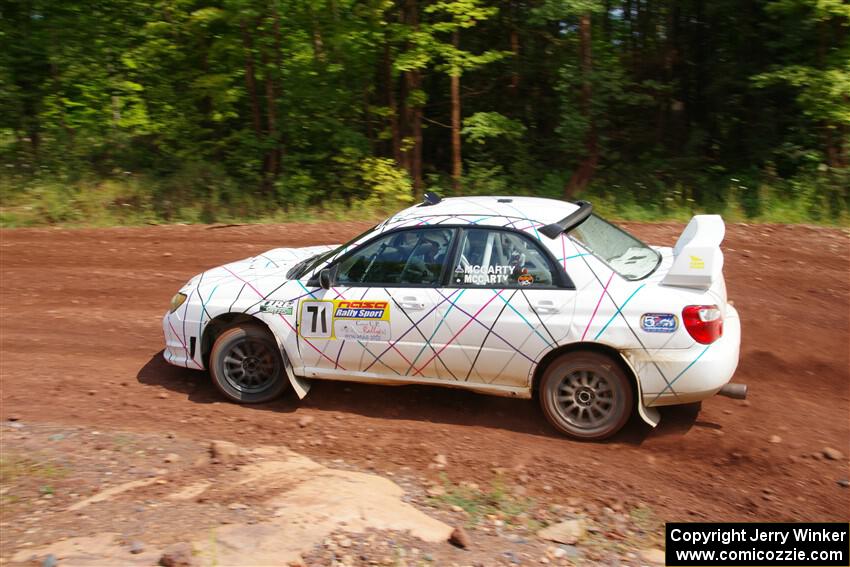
x,y
81,342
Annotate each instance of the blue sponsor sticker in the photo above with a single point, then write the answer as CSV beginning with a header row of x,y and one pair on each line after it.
x,y
659,322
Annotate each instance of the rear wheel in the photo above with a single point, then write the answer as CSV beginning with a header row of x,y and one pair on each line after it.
x,y
586,395
246,365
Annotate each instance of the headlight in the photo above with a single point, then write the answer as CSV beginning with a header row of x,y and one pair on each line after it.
x,y
177,301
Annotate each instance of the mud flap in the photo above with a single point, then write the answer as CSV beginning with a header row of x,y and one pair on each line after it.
x,y
300,385
650,416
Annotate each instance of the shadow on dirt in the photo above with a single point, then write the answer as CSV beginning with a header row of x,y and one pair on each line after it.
x,y
412,402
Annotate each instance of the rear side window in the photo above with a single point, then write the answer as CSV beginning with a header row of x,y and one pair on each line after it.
x,y
497,258
408,257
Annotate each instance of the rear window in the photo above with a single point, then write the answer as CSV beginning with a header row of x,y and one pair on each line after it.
x,y
624,253
498,258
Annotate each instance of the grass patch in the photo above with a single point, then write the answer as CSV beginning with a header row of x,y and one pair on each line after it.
x,y
124,443
132,203
203,198
17,467
645,520
496,500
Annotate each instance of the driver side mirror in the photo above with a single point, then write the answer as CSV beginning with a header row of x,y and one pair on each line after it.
x,y
325,279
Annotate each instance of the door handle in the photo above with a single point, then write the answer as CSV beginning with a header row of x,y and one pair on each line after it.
x,y
410,303
545,306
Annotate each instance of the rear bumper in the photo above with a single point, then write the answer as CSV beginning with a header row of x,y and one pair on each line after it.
x,y
681,376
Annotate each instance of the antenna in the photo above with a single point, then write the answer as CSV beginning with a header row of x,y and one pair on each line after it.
x,y
430,198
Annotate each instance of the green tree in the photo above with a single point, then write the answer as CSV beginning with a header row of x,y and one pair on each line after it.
x,y
452,17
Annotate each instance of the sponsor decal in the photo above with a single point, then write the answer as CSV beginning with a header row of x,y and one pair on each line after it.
x,y
347,319
659,322
359,330
697,263
483,275
278,307
358,309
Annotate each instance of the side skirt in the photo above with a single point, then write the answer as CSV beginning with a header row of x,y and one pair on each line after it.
x,y
522,392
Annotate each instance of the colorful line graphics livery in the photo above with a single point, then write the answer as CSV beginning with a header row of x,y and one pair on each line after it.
x,y
500,295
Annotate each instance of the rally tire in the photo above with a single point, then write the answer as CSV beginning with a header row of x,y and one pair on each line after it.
x,y
246,365
586,395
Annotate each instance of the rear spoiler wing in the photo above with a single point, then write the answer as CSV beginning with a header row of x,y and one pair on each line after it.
x,y
697,258
569,222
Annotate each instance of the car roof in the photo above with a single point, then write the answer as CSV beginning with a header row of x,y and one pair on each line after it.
x,y
471,210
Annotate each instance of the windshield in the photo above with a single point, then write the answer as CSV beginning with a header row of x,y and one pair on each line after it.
x,y
309,264
624,253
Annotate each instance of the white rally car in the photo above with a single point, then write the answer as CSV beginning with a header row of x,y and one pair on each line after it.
x,y
512,296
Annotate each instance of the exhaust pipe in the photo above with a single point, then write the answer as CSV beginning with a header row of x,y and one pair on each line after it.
x,y
736,391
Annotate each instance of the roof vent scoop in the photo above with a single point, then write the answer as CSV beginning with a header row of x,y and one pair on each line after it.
x,y
430,198
570,221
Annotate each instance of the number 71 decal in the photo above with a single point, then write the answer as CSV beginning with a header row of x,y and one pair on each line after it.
x,y
315,319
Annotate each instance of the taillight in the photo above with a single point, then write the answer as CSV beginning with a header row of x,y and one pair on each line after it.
x,y
703,322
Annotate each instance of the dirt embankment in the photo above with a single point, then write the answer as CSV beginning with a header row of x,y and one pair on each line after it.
x,y
80,321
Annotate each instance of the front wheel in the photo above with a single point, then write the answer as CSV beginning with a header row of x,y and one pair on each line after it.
x,y
246,365
586,395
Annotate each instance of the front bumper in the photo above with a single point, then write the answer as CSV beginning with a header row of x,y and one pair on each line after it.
x,y
182,345
681,376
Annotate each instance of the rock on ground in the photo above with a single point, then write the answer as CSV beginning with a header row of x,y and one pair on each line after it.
x,y
569,532
653,556
832,454
459,538
178,555
225,451
305,421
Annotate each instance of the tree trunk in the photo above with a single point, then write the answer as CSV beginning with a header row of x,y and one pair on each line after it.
x,y
250,79
663,135
832,134
457,159
389,85
412,153
606,19
516,62
405,118
54,76
630,32
271,64
457,163
318,42
416,130
584,173
417,155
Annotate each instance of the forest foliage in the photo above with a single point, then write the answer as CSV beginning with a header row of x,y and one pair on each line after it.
x,y
204,110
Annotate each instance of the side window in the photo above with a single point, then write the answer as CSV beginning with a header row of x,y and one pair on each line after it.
x,y
496,258
412,257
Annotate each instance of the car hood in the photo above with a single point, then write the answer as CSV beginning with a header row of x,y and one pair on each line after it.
x,y
273,263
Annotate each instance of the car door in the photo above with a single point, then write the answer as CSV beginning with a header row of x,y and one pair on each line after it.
x,y
377,319
507,304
